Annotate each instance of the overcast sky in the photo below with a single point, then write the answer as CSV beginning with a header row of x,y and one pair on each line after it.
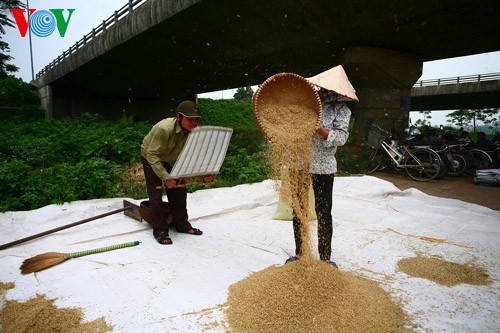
x,y
89,14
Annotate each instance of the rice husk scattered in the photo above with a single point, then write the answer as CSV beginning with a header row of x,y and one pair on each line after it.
x,y
6,285
311,296
444,272
40,315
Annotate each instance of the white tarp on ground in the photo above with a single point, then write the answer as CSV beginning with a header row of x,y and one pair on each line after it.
x,y
180,287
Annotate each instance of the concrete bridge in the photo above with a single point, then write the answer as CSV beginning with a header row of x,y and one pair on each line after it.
x,y
480,91
153,53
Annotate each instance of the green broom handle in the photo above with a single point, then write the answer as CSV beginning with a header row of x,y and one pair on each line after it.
x,y
102,249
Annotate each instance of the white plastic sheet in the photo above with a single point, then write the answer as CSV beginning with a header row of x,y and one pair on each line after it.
x,y
183,287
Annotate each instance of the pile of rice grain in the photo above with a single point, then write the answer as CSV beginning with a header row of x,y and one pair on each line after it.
x,y
40,315
444,272
311,296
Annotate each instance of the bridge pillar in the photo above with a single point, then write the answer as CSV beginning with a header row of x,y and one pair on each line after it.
x,y
46,101
383,80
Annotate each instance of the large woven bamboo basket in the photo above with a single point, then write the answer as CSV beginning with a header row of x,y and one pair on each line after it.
x,y
286,101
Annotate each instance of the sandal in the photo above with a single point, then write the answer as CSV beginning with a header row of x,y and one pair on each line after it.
x,y
163,238
192,231
291,259
331,263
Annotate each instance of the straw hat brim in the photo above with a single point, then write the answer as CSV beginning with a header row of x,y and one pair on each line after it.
x,y
335,79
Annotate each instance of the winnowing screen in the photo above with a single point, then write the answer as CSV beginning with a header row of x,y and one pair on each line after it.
x,y
203,153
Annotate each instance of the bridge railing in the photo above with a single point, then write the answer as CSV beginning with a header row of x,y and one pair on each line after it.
x,y
106,24
458,79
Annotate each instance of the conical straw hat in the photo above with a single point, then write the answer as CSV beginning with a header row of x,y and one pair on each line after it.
x,y
286,102
335,79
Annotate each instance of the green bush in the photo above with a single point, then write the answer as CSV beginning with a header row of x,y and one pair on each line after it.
x,y
26,188
244,162
19,100
50,162
15,177
14,92
46,162
64,160
242,168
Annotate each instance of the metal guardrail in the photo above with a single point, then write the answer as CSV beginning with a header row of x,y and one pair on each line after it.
x,y
458,79
110,21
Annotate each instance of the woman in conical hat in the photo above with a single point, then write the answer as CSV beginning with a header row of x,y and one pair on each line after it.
x,y
333,131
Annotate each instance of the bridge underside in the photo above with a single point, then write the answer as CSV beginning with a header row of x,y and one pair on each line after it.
x,y
478,95
471,101
168,49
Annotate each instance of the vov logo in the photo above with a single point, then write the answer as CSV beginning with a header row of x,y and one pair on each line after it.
x,y
42,23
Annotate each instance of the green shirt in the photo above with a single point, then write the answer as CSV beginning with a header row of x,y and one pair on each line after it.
x,y
163,143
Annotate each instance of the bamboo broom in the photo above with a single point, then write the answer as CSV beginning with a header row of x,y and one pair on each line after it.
x,y
49,259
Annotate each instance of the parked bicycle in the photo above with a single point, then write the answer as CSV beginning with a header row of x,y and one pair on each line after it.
x,y
455,160
486,156
458,156
421,164
477,157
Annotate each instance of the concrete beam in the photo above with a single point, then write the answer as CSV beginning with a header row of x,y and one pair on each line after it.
x,y
470,95
383,80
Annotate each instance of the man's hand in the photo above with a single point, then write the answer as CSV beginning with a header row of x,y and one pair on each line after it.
x,y
170,183
208,179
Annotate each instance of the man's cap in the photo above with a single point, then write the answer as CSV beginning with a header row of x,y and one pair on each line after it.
x,y
189,109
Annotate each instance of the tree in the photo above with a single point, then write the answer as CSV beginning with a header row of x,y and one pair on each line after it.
x,y
14,92
426,121
488,117
462,118
243,93
5,67
465,118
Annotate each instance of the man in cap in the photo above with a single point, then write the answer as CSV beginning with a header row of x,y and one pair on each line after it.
x,y
333,88
159,150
